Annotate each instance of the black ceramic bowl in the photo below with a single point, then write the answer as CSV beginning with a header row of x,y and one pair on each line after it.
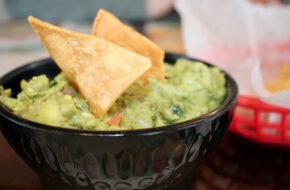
x,y
159,158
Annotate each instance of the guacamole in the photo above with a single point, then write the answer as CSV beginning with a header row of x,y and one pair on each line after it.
x,y
190,90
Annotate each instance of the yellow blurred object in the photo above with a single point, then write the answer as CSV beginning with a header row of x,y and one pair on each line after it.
x,y
267,1
281,81
165,34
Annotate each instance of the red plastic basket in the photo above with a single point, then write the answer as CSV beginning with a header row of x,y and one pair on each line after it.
x,y
261,122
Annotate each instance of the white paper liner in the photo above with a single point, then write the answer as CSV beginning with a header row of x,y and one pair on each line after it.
x,y
249,41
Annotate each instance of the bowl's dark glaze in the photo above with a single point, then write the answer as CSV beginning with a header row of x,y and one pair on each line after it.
x,y
162,158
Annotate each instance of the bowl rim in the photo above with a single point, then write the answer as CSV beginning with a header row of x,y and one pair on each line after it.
x,y
229,102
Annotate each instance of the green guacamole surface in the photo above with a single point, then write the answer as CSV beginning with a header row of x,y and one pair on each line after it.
x,y
190,90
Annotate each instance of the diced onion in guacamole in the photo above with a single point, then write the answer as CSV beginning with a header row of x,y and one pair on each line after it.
x,y
190,90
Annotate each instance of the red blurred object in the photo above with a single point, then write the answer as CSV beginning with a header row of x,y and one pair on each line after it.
x,y
261,122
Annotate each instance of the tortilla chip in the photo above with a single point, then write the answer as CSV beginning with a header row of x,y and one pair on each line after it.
x,y
57,45
281,81
110,28
110,70
101,70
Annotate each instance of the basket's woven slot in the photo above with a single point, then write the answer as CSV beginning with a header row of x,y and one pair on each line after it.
x,y
261,122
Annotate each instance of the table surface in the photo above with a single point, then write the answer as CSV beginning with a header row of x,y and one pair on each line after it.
x,y
234,165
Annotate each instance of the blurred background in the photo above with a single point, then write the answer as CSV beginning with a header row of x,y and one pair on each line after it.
x,y
19,44
233,34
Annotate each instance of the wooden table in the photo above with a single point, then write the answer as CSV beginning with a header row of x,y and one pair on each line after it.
x,y
14,173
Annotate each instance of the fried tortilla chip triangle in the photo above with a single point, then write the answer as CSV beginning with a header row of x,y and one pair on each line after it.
x,y
56,42
101,70
110,28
